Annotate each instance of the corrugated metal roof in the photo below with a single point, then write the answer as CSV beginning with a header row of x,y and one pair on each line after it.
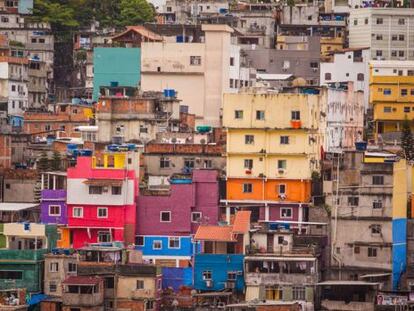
x,y
15,207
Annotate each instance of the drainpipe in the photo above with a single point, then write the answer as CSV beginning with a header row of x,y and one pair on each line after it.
x,y
334,256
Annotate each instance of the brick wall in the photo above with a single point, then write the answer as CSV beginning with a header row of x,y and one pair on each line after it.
x,y
5,151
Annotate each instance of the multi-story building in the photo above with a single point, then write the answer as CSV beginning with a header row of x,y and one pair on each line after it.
x,y
273,150
38,83
361,199
391,97
22,256
212,66
344,117
57,268
219,266
169,216
386,31
84,293
101,198
301,59
357,70
136,118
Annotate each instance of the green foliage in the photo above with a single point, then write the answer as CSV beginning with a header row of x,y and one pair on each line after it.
x,y
56,161
57,13
16,44
135,12
407,141
43,162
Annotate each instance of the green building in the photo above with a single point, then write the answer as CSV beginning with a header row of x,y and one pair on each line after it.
x,y
115,67
22,254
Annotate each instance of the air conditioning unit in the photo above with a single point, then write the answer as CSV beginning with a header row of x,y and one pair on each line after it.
x,y
281,171
315,69
209,283
283,196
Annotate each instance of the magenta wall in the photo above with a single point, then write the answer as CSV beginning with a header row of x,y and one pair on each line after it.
x,y
201,195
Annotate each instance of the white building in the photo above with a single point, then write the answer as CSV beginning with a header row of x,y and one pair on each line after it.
x,y
387,31
349,65
344,117
13,83
201,72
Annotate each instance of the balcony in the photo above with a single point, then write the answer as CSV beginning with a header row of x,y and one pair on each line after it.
x,y
296,124
79,299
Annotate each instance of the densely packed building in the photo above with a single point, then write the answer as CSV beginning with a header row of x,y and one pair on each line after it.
x,y
227,155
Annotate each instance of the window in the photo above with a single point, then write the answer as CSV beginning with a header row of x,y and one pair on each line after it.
x,y
377,180
393,53
357,249
54,210
328,76
139,240
54,267
231,83
249,139
401,53
387,92
157,244
410,73
104,236
295,115
231,276
116,190
248,164
165,216
208,164
140,284
299,292
260,115
13,88
280,240
355,22
360,77
375,229
387,109
196,217
285,212
195,60
143,129
372,252
314,65
231,61
164,162
401,37
77,212
379,53
401,21
95,189
353,201
284,140
238,114
47,127
404,92
189,162
366,21
394,38
41,40
149,305
11,275
173,242
52,287
247,188
102,212
72,267
281,189
407,109
380,21
281,164
378,37
377,204
109,282
207,275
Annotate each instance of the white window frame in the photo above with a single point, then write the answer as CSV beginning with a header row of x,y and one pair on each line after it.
x,y
278,189
161,212
143,241
54,264
55,205
192,216
102,208
251,186
286,217
106,233
77,208
156,241
73,264
141,282
175,238
206,272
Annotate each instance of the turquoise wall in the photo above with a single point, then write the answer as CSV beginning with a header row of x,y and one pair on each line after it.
x,y
116,64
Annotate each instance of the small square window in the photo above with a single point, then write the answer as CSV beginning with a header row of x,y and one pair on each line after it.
x,y
377,180
196,217
165,216
77,212
156,244
139,240
387,91
247,188
407,109
195,60
286,212
387,109
248,164
249,139
372,252
140,284
173,242
401,37
116,190
52,287
401,21
238,114
54,267
54,210
353,201
377,204
380,21
207,275
231,276
375,229
284,140
404,92
164,162
102,212
357,249
104,236
260,115
295,115
281,189
95,189
281,164
72,267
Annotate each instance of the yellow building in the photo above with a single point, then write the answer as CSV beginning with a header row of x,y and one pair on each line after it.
x,y
391,96
329,45
273,148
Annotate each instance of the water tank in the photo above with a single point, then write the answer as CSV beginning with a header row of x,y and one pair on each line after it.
x,y
170,93
113,147
203,129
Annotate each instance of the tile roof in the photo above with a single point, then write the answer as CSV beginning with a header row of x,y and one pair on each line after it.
x,y
82,280
215,233
242,222
142,31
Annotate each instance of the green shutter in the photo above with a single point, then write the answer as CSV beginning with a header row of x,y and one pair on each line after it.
x,y
309,294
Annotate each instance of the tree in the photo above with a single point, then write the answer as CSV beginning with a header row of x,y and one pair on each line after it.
x,y
407,141
57,13
43,162
134,12
56,161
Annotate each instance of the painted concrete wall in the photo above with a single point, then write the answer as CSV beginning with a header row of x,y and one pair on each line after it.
x,y
53,197
122,65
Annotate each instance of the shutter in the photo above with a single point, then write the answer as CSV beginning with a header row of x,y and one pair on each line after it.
x,y
287,294
309,294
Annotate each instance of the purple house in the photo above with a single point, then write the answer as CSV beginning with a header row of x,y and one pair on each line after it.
x,y
53,207
167,220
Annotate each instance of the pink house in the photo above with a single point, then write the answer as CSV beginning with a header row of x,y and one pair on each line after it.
x,y
101,201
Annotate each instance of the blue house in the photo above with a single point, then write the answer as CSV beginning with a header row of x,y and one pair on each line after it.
x,y
220,265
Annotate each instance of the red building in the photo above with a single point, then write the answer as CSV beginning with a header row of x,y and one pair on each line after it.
x,y
101,200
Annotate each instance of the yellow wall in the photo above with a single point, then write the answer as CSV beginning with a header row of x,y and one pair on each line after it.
x,y
127,287
64,241
400,188
17,229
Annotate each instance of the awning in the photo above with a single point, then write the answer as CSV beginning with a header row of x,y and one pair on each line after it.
x,y
103,182
15,207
